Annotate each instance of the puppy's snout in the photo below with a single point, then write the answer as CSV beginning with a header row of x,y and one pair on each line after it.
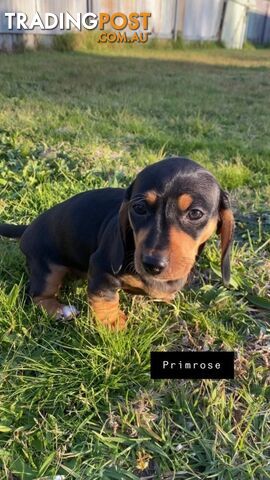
x,y
154,265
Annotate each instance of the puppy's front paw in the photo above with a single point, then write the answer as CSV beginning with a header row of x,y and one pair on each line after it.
x,y
115,322
120,322
67,312
107,311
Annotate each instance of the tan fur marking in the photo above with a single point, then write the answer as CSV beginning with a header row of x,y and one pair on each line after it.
x,y
151,197
208,231
132,284
182,253
166,297
183,250
48,298
107,312
226,230
184,201
50,305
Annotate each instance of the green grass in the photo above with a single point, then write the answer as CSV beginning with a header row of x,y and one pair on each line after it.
x,y
76,400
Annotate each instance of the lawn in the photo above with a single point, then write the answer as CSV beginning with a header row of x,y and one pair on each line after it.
x,y
76,400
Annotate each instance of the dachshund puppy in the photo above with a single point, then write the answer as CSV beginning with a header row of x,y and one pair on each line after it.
x,y
144,239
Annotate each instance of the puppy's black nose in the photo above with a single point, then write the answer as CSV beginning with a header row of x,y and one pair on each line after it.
x,y
153,265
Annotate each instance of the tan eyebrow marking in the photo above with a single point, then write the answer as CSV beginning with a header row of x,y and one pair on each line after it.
x,y
151,197
184,201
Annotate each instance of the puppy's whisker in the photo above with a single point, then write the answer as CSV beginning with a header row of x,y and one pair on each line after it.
x,y
131,267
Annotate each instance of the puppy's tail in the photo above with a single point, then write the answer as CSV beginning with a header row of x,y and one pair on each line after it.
x,y
12,231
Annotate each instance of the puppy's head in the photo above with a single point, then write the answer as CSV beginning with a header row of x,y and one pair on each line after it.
x,y
173,207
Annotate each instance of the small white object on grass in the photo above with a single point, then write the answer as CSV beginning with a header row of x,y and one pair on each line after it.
x,y
179,447
68,311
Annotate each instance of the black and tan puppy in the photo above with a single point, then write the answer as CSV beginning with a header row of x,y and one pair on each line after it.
x,y
144,239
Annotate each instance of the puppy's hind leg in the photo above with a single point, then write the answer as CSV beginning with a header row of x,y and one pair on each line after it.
x,y
44,285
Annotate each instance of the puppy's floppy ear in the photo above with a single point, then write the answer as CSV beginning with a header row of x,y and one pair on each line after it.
x,y
225,229
119,241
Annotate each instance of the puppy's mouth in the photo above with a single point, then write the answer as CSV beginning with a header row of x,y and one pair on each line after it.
x,y
162,288
156,276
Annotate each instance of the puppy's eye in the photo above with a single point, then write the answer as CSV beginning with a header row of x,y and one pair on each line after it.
x,y
139,208
195,214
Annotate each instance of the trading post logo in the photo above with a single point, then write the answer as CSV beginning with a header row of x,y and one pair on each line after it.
x,y
136,23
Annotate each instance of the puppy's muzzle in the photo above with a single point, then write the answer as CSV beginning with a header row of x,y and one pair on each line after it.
x,y
154,264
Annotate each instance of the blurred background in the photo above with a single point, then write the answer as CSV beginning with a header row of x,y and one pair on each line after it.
x,y
230,22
